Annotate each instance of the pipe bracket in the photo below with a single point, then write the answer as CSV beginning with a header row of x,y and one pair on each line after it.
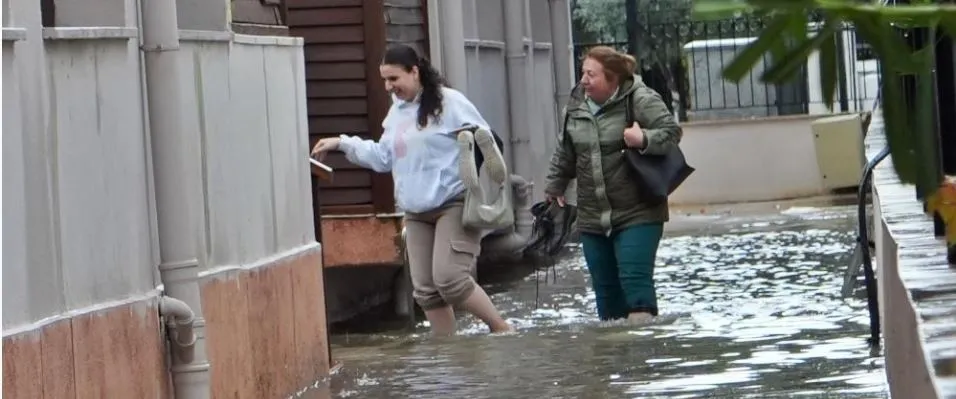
x,y
159,48
191,368
183,264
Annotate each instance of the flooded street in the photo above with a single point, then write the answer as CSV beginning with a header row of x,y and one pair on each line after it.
x,y
751,308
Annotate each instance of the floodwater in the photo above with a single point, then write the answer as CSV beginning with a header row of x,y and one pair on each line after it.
x,y
752,309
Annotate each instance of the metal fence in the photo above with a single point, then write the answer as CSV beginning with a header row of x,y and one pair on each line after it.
x,y
683,60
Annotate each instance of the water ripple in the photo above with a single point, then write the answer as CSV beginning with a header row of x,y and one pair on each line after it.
x,y
748,314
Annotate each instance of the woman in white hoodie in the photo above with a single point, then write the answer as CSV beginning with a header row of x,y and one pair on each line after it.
x,y
420,146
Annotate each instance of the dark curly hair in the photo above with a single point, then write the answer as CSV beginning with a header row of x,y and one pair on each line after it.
x,y
430,103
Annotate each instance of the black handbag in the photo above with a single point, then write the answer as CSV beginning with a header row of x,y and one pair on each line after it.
x,y
657,176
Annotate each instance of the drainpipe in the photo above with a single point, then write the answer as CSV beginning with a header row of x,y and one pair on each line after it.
x,y
178,232
563,52
453,44
435,35
516,60
519,96
183,319
562,59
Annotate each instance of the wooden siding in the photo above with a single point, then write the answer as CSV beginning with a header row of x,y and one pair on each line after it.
x,y
344,41
406,22
259,17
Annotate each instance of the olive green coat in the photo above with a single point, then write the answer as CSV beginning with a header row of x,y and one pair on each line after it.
x,y
591,150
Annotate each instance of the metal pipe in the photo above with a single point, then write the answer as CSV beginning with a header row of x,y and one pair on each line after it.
x,y
519,89
863,240
523,218
181,317
562,57
453,44
863,237
175,167
516,64
630,16
404,299
435,35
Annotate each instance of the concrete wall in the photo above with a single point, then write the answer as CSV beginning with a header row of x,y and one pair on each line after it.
x,y
487,78
244,97
81,286
756,159
751,159
916,287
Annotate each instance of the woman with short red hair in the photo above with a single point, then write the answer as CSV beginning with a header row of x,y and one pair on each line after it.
x,y
620,231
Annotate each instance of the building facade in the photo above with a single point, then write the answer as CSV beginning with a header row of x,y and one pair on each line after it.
x,y
515,66
157,216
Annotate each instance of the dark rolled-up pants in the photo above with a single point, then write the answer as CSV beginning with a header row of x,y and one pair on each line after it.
x,y
622,269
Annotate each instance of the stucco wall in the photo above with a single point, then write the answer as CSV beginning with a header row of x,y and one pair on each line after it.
x,y
487,84
81,247
244,99
915,286
79,212
753,159
758,159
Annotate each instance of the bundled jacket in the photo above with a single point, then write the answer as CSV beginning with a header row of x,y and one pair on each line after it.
x,y
591,149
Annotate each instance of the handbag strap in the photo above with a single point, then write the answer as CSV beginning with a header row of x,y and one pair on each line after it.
x,y
564,126
629,110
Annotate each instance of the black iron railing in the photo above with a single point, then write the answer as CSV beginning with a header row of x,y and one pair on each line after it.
x,y
683,61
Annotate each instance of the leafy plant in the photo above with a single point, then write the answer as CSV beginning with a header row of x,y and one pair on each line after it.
x,y
603,19
789,39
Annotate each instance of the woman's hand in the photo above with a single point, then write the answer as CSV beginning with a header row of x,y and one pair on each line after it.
x,y
324,146
634,136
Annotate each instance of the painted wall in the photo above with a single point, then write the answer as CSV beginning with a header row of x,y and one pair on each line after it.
x,y
244,98
914,294
487,79
759,159
79,212
737,160
79,215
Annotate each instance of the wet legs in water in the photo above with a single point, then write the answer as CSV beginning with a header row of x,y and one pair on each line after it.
x,y
442,320
622,271
479,304
441,256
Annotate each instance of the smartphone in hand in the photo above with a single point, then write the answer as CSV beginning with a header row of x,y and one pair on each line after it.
x,y
321,170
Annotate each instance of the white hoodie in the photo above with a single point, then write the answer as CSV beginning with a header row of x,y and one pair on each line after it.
x,y
423,162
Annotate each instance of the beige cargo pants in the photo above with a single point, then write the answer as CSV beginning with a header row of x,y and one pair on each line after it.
x,y
442,255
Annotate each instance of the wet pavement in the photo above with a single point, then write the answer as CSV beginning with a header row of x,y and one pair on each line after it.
x,y
752,309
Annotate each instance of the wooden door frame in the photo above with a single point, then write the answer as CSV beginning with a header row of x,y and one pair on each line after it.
x,y
426,26
374,29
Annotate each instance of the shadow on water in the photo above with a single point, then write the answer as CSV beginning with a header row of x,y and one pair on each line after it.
x,y
754,311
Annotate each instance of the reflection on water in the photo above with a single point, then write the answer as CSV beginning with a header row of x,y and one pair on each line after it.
x,y
754,311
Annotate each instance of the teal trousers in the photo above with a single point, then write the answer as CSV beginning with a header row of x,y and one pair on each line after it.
x,y
622,269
